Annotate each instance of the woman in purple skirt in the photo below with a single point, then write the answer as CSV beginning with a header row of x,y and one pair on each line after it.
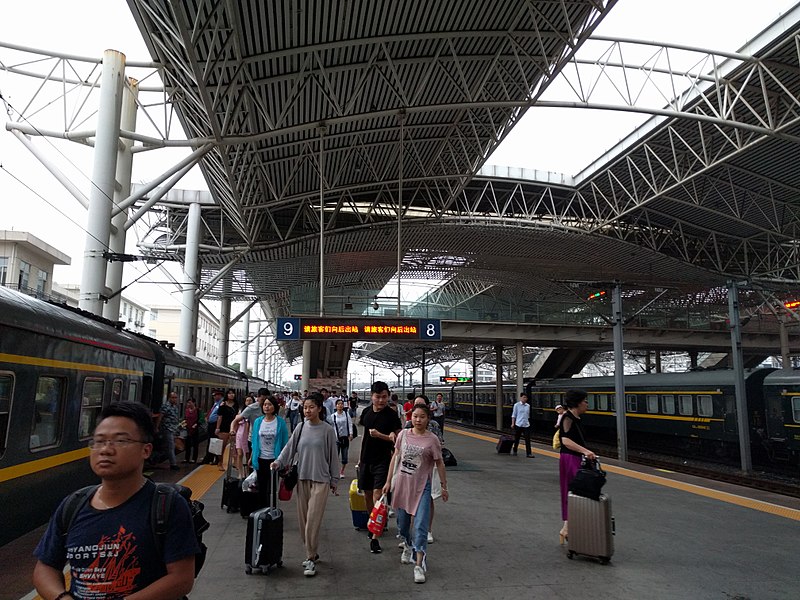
x,y
573,447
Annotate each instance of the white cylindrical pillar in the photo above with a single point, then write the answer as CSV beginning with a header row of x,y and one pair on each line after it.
x,y
98,225
187,334
246,343
306,364
225,321
123,190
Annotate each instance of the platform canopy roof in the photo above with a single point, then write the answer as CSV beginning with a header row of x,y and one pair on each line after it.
x,y
350,113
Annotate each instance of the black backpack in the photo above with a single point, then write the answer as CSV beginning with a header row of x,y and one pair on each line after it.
x,y
165,495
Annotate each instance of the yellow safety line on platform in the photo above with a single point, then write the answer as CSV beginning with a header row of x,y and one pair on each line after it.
x,y
767,507
199,481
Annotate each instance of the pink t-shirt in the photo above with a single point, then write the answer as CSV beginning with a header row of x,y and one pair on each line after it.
x,y
418,454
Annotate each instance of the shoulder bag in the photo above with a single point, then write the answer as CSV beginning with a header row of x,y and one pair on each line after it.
x,y
589,479
291,476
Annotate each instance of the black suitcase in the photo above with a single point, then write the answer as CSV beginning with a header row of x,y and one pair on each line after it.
x,y
263,548
249,503
505,444
231,489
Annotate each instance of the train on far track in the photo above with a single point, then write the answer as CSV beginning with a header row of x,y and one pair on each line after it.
x,y
691,413
58,368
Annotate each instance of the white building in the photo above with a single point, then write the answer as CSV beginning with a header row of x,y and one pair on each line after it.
x,y
164,324
26,263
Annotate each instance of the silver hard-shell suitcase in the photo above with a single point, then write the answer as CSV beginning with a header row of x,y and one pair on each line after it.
x,y
591,527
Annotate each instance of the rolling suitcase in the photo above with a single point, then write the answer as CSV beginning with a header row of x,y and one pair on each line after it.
x,y
591,527
231,489
504,444
263,548
358,506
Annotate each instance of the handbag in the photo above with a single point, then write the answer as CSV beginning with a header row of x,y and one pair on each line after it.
x,y
291,476
250,483
589,480
215,446
284,494
378,516
557,440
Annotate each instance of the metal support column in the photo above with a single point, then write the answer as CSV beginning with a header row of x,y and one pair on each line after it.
x,y
619,374
98,223
738,373
321,222
786,361
307,365
474,381
246,342
116,242
187,334
258,357
520,367
424,374
225,321
498,396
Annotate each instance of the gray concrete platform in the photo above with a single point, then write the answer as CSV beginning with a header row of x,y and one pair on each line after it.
x,y
498,538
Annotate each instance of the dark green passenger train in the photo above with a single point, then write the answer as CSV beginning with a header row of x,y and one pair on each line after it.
x,y
58,368
685,412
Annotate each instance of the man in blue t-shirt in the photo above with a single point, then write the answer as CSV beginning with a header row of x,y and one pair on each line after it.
x,y
110,543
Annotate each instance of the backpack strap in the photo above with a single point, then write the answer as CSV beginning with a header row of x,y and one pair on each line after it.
x,y
160,511
73,505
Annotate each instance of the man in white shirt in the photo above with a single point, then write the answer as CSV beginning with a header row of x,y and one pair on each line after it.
x,y
521,424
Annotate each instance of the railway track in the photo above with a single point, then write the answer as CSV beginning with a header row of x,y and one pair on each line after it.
x,y
770,479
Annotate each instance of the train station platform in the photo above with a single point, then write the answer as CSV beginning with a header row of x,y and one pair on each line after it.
x,y
677,537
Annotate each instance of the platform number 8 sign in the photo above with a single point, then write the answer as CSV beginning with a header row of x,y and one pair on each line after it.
x,y
430,329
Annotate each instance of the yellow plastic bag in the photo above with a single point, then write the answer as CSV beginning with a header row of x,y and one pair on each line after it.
x,y
557,441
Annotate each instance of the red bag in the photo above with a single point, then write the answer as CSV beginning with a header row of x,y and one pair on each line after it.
x,y
378,517
284,494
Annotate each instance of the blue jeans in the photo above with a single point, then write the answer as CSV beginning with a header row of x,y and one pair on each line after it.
x,y
418,537
169,438
343,446
294,416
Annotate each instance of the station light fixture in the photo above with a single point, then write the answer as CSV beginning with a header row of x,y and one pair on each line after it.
x,y
792,304
597,295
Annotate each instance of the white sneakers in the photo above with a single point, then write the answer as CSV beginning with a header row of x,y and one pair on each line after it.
x,y
408,555
419,575
309,568
430,537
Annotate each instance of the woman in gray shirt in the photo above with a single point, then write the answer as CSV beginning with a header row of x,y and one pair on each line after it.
x,y
313,447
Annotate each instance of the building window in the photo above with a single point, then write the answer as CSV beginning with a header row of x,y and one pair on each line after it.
x,y
41,281
3,269
24,274
153,314
46,426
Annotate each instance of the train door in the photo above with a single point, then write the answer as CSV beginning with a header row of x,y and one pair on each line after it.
x,y
730,415
775,413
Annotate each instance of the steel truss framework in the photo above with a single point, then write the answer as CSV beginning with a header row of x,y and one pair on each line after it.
x,y
366,101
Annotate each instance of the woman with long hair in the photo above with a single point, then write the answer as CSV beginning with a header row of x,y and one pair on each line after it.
x,y
269,438
417,451
313,447
242,439
573,447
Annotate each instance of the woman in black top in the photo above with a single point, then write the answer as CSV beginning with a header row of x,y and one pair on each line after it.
x,y
573,447
225,415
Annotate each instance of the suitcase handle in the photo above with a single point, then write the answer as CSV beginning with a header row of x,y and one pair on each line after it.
x,y
275,484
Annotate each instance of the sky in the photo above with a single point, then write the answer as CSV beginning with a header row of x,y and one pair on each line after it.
x,y
560,140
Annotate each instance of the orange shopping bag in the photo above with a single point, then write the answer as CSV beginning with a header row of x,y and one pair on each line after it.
x,y
378,516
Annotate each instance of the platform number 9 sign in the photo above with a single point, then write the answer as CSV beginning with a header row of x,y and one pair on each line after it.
x,y
430,329
288,328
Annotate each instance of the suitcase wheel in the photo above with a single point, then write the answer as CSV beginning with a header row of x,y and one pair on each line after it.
x,y
248,569
570,555
604,560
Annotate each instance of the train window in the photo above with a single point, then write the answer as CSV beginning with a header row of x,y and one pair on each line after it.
x,y
668,404
602,401
46,427
652,403
631,403
133,391
91,405
590,398
685,403
116,390
705,407
6,388
796,408
612,403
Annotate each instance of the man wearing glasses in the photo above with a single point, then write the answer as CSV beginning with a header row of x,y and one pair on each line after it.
x,y
109,541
